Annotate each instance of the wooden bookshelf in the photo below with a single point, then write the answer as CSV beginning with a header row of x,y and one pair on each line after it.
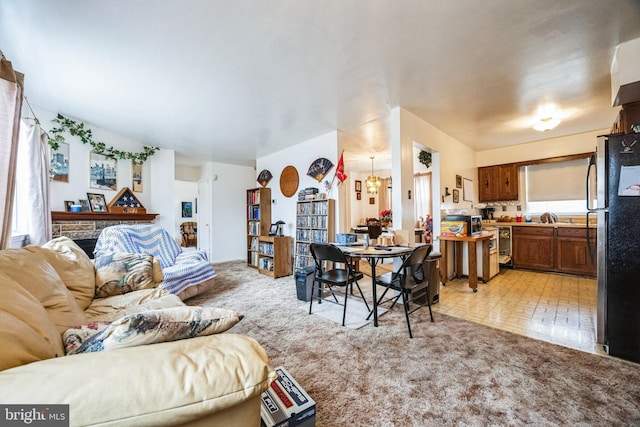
x,y
274,255
314,224
258,221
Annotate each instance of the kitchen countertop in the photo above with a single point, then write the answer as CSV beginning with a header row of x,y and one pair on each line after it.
x,y
536,224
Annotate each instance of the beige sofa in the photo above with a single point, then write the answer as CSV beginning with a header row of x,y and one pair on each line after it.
x,y
209,380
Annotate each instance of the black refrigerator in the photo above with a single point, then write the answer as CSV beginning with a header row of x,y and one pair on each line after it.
x,y
616,170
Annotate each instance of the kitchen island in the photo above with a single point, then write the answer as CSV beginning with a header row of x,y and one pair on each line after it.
x,y
452,247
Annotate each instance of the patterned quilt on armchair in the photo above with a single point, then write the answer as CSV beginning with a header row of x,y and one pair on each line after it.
x,y
181,269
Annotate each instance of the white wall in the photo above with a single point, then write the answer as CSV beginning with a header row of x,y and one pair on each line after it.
x,y
228,210
552,147
300,156
157,172
450,158
360,209
188,173
78,185
162,183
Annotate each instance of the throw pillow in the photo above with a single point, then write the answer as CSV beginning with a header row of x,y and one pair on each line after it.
x,y
73,338
119,273
155,326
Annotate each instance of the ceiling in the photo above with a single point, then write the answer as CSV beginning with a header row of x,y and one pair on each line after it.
x,y
230,81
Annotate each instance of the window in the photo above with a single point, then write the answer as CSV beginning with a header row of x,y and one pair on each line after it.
x,y
558,187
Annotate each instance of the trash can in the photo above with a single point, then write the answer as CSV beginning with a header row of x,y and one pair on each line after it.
x,y
432,273
304,282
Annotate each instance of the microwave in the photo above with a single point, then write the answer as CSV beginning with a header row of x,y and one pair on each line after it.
x,y
471,224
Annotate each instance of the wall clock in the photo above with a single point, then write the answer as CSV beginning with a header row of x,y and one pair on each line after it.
x,y
264,177
319,168
289,180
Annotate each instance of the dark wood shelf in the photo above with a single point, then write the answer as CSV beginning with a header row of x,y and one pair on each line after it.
x,y
100,216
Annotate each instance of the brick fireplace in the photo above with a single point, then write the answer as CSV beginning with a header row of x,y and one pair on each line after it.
x,y
85,227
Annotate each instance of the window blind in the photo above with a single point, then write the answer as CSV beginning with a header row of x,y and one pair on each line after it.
x,y
557,181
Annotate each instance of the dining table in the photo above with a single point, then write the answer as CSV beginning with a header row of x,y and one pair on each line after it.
x,y
374,255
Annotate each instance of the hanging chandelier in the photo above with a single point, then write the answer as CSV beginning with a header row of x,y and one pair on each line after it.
x,y
373,182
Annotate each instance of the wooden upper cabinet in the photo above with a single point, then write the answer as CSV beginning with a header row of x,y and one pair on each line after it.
x,y
508,186
488,184
498,183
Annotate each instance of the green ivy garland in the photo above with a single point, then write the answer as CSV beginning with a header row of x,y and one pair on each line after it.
x,y
78,129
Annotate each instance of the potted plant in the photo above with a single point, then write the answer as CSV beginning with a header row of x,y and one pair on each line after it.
x,y
386,218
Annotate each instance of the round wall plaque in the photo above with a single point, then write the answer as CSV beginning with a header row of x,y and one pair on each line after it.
x,y
289,180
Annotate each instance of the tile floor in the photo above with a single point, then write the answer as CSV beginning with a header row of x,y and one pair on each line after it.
x,y
556,308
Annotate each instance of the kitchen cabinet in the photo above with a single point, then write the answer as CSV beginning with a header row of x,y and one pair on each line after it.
x,y
533,248
573,252
498,183
559,249
629,114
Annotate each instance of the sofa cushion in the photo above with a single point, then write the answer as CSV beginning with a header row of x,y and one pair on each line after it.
x,y
111,308
37,276
27,333
157,326
119,273
72,265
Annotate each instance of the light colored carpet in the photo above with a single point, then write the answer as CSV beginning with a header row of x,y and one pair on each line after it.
x,y
453,372
356,316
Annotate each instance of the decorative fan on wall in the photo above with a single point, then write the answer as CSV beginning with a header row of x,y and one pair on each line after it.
x,y
319,168
264,177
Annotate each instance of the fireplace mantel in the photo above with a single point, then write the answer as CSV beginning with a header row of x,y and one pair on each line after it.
x,y
100,216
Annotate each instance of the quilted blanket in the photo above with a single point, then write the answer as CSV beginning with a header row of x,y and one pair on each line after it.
x,y
180,269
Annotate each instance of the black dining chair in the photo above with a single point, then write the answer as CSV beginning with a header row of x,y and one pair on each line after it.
x,y
334,270
374,228
410,282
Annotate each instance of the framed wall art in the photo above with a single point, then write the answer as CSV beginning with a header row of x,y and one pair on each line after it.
x,y
97,202
458,181
456,196
85,205
358,196
103,172
358,186
187,210
372,200
136,176
59,163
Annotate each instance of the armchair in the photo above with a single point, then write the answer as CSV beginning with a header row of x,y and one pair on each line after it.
x,y
189,232
186,274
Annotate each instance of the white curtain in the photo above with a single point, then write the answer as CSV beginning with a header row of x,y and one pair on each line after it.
x,y
422,195
33,183
11,88
384,195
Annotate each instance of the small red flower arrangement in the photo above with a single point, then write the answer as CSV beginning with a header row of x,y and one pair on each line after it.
x,y
386,217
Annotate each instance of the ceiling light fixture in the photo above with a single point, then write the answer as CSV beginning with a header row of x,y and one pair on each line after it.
x,y
373,182
547,118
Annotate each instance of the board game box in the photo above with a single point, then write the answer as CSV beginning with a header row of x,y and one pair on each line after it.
x,y
285,403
